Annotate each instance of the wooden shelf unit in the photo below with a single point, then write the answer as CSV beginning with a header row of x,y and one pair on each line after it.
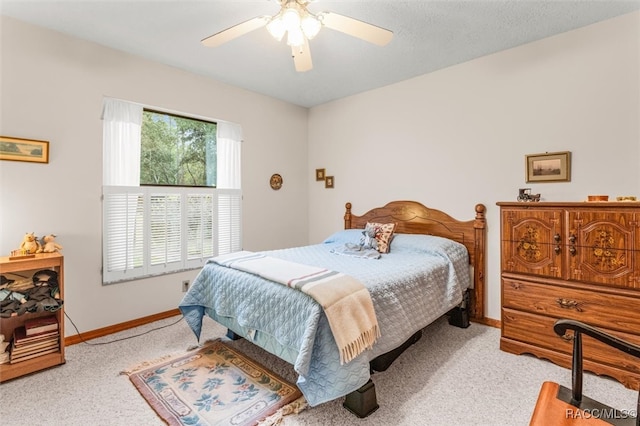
x,y
580,261
26,268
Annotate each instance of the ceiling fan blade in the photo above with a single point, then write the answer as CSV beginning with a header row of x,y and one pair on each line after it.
x,y
236,31
353,27
302,57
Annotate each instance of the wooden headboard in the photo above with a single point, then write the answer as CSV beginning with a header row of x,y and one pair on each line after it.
x,y
412,217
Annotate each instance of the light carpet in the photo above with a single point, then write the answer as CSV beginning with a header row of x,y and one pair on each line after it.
x,y
452,376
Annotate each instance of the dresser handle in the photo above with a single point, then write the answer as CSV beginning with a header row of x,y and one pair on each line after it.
x,y
569,304
557,249
572,247
556,238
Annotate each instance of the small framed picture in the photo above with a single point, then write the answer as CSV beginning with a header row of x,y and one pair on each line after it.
x,y
548,167
16,149
319,174
328,182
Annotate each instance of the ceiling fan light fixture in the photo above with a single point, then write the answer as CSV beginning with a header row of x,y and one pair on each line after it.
x,y
300,25
276,27
295,37
296,21
310,26
291,18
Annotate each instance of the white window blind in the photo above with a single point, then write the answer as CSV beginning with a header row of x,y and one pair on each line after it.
x,y
155,230
165,231
200,226
124,231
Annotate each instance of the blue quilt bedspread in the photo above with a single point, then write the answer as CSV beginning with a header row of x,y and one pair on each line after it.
x,y
419,280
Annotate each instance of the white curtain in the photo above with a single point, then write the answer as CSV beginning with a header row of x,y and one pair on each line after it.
x,y
121,142
229,140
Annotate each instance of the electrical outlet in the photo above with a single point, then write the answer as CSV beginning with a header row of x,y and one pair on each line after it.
x,y
185,285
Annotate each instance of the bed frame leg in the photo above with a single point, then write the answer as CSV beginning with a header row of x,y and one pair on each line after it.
x,y
362,402
233,336
459,316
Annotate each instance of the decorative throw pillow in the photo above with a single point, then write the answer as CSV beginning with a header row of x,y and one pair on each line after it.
x,y
383,233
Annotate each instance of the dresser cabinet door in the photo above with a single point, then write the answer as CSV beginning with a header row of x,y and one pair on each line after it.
x,y
604,247
532,241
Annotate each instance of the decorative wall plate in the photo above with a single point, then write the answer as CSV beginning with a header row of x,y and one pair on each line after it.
x,y
275,181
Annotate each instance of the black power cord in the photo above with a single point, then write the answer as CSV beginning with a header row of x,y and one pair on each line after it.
x,y
122,338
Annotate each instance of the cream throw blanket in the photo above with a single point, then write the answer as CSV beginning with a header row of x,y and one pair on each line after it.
x,y
345,300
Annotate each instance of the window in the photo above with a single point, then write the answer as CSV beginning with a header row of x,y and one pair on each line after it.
x,y
171,193
177,150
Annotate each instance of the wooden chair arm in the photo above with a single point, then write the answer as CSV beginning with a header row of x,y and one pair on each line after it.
x,y
561,326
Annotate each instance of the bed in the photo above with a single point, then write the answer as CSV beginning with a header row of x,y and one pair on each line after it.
x,y
434,263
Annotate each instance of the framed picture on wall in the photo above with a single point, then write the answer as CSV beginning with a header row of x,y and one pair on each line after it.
x,y
17,149
548,167
319,174
328,182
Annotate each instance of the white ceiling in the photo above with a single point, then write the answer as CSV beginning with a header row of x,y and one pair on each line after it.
x,y
428,35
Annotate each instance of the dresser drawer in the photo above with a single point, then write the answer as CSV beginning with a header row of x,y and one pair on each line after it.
x,y
538,330
611,311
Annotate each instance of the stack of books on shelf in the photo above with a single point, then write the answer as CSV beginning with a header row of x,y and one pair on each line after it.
x,y
4,353
38,336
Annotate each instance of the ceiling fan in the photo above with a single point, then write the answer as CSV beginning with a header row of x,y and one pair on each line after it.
x,y
300,26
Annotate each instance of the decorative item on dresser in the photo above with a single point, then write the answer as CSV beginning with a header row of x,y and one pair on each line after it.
x,y
525,195
575,260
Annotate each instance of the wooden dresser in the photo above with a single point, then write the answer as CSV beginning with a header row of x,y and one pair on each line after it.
x,y
577,260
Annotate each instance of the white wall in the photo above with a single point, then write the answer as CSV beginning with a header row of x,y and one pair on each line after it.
x,y
459,136
51,89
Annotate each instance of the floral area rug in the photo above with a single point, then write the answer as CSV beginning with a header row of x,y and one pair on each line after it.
x,y
215,385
